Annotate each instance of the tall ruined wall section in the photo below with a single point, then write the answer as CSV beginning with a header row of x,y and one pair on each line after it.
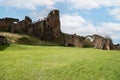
x,y
47,29
53,22
52,28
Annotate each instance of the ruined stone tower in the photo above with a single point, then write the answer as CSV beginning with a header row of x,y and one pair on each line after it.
x,y
50,26
53,22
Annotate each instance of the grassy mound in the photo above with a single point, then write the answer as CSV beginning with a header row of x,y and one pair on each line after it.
x,y
24,39
23,62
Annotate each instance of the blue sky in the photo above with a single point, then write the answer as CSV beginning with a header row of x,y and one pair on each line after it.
x,y
77,16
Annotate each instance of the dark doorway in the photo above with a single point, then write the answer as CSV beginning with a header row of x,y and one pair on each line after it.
x,y
70,45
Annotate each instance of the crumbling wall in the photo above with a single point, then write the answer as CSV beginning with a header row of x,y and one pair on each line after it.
x,y
49,30
74,40
102,43
29,29
37,29
117,47
6,23
21,26
14,25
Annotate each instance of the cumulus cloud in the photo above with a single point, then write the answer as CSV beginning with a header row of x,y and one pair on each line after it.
x,y
116,13
39,14
78,4
82,4
110,29
74,20
29,4
89,4
77,24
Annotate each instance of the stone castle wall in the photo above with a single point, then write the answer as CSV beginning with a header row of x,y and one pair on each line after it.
x,y
6,23
102,43
49,30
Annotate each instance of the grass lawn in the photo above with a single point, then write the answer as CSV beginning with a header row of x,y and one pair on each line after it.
x,y
23,62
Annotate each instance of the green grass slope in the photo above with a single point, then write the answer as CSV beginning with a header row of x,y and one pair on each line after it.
x,y
23,62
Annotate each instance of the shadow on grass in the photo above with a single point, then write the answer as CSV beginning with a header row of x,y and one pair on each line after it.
x,y
35,42
3,47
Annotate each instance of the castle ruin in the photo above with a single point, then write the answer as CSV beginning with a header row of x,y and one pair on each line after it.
x,y
49,30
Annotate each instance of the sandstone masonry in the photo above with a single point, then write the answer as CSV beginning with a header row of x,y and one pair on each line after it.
x,y
48,29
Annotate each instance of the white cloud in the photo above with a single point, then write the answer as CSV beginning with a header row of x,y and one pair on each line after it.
x,y
116,13
89,4
78,4
82,4
39,14
110,29
77,24
111,26
70,23
29,4
74,20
